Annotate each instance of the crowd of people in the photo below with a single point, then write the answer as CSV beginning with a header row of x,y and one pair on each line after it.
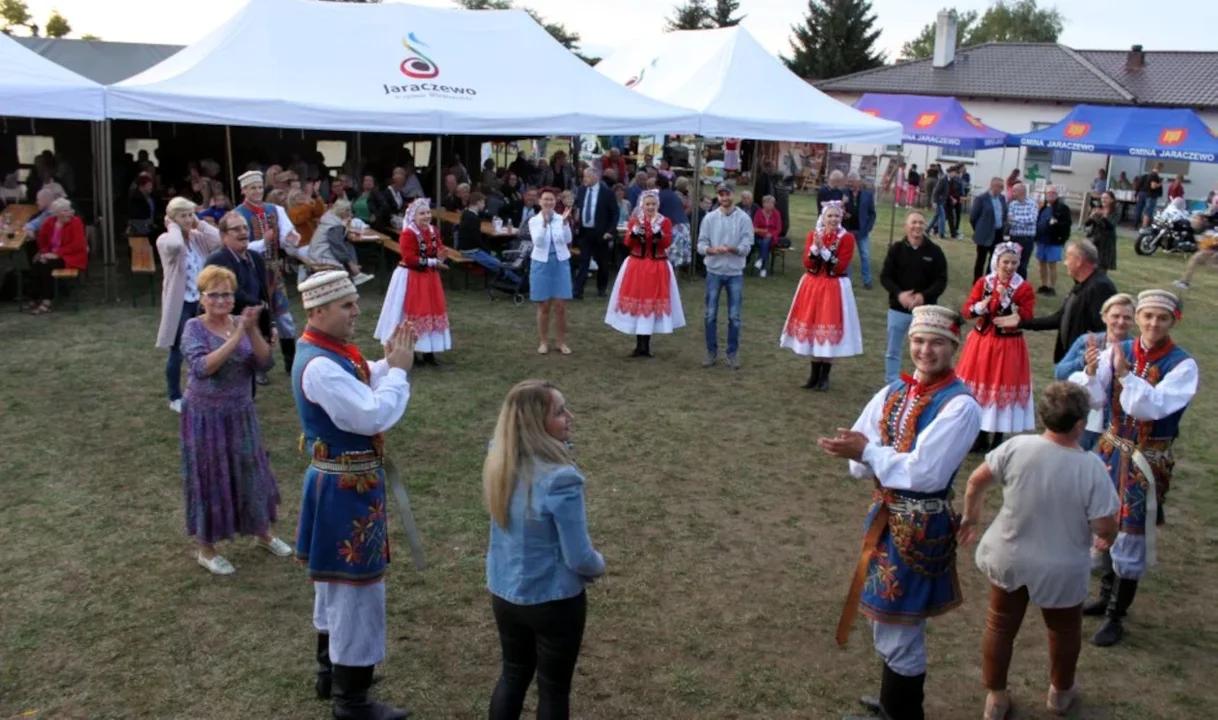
x,y
1086,493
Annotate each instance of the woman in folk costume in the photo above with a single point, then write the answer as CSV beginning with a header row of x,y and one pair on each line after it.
x,y
824,321
994,363
416,294
1148,383
645,299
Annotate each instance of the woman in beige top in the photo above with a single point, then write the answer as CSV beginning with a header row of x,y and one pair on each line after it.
x,y
1055,496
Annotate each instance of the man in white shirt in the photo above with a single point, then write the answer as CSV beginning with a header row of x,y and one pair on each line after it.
x,y
345,405
910,439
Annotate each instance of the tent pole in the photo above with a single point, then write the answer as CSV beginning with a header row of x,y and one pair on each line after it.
x,y
892,224
358,180
228,149
107,132
695,202
435,162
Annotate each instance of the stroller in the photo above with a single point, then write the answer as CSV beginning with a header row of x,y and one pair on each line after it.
x,y
512,277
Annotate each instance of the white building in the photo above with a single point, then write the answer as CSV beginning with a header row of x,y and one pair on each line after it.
x,y
1020,87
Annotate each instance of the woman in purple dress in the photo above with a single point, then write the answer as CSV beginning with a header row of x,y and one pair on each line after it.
x,y
226,476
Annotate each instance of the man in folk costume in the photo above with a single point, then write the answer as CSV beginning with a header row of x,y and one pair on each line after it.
x,y
273,235
416,293
1148,382
645,298
910,439
345,405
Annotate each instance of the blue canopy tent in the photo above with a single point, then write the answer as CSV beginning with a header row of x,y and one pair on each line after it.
x,y
1152,133
929,120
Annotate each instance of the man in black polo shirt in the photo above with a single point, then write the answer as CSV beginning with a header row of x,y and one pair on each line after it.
x,y
915,273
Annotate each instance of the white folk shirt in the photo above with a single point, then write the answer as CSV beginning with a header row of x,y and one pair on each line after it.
x,y
353,406
1139,399
940,449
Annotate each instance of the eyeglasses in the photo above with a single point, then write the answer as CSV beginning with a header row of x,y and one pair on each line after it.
x,y
220,295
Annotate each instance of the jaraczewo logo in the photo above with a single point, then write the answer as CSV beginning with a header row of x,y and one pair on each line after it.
x,y
925,120
420,68
1076,130
642,73
1173,136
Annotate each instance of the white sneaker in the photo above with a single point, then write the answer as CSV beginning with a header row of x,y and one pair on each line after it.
x,y
592,265
763,273
276,547
176,405
1181,284
217,565
757,265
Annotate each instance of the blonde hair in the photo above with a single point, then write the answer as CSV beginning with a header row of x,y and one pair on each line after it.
x,y
212,276
1118,299
178,205
520,440
277,197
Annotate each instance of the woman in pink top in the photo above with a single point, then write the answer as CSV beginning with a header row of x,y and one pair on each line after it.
x,y
767,227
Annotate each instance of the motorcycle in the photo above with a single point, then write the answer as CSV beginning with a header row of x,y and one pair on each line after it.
x,y
1170,230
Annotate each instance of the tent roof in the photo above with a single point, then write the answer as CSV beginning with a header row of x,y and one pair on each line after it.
x,y
101,61
929,120
740,89
1156,133
405,68
32,86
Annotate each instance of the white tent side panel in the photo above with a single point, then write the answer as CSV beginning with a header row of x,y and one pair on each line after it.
x,y
32,86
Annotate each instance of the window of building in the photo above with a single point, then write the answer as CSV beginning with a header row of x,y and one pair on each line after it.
x,y
29,147
1171,168
333,152
957,153
133,146
892,149
420,150
1062,159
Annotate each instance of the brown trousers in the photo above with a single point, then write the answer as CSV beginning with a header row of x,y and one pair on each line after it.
x,y
1002,625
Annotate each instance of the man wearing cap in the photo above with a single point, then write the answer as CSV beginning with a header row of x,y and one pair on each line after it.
x,y
272,234
345,405
725,237
911,439
1148,383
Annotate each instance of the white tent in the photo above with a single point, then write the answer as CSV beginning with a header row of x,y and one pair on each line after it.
x,y
404,68
739,89
32,86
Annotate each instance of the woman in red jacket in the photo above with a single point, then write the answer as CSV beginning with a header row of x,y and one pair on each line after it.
x,y
61,244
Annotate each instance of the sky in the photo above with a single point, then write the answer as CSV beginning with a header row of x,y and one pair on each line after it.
x,y
607,24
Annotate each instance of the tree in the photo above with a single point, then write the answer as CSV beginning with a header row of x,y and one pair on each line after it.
x,y
57,25
15,14
90,36
693,15
724,14
567,38
836,38
1018,21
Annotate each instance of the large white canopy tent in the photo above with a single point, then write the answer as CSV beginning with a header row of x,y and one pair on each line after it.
x,y
32,86
406,68
739,89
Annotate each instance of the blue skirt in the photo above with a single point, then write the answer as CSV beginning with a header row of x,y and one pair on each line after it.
x,y
550,280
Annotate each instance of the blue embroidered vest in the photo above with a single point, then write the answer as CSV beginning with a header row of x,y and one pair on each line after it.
x,y
912,572
343,533
1129,428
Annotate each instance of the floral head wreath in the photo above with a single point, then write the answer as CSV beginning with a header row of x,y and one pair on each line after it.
x,y
414,210
1004,248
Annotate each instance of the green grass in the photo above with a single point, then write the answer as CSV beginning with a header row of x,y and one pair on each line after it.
x,y
729,537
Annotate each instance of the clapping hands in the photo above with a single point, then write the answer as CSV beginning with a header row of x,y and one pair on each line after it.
x,y
399,350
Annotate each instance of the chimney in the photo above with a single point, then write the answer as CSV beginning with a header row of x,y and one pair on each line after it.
x,y
1135,59
945,39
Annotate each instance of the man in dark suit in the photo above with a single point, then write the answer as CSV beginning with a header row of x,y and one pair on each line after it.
x,y
988,216
1080,310
596,208
250,269
392,202
860,220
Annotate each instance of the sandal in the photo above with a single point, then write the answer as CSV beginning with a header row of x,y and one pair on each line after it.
x,y
564,349
543,349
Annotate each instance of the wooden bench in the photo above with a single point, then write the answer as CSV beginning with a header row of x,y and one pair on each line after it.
x,y
142,263
67,274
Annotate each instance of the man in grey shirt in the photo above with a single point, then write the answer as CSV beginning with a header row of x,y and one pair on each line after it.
x,y
724,239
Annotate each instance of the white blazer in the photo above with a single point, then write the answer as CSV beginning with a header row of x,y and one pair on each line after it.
x,y
557,232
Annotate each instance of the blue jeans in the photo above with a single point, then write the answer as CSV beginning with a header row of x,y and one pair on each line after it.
x,y
715,285
940,221
763,252
173,366
490,262
898,328
862,243
1089,440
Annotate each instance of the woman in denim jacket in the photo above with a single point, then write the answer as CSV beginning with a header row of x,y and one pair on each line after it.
x,y
540,556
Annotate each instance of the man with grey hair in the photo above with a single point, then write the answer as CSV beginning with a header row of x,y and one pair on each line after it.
x,y
1021,225
832,191
46,195
1081,309
596,215
860,219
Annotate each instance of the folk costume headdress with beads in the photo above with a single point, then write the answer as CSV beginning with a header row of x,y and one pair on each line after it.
x,y
935,320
